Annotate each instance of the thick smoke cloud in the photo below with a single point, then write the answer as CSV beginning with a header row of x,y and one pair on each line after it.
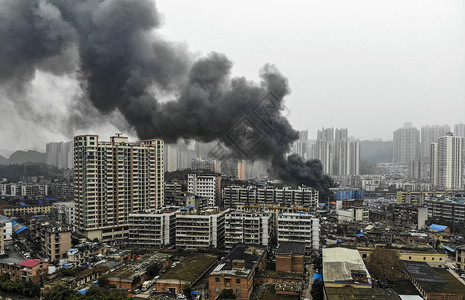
x,y
123,64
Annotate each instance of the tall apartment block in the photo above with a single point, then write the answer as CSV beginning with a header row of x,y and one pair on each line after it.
x,y
339,154
406,144
248,228
300,228
459,129
430,134
60,154
113,179
197,229
447,162
208,186
301,146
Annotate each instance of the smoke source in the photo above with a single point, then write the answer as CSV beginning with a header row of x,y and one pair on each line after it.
x,y
123,64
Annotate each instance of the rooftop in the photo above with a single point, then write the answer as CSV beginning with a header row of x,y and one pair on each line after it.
x,y
31,263
190,268
139,266
290,248
338,263
249,255
347,293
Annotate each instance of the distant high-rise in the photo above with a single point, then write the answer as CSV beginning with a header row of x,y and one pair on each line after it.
x,y
459,129
113,179
325,134
406,144
301,146
447,162
322,150
60,154
430,134
171,158
348,162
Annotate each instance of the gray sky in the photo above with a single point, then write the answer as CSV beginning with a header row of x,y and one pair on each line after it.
x,y
365,65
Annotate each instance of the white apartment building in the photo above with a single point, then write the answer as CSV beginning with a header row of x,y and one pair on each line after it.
x,y
60,154
285,196
200,229
406,144
68,211
447,162
248,228
152,230
23,189
207,186
300,228
113,179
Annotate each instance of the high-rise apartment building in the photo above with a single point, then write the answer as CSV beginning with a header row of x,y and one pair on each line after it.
x,y
459,129
430,134
322,150
113,179
301,146
406,144
348,157
447,162
60,154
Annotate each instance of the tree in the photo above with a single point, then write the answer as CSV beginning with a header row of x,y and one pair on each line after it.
x,y
384,264
317,290
187,290
60,292
103,282
153,270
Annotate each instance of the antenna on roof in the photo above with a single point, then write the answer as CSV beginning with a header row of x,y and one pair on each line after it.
x,y
118,134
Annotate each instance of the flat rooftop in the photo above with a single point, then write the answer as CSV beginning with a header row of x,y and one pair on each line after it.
x,y
248,254
347,293
290,248
190,268
338,264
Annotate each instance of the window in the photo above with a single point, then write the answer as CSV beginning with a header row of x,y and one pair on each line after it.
x,y
409,257
217,289
424,258
238,281
217,279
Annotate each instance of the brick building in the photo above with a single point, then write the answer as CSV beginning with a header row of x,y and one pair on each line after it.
x,y
290,257
236,271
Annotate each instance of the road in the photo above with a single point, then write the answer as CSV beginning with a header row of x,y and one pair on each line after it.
x,y
306,292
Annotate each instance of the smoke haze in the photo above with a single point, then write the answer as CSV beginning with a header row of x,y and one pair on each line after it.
x,y
122,66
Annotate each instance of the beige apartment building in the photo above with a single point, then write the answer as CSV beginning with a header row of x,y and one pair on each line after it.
x,y
113,179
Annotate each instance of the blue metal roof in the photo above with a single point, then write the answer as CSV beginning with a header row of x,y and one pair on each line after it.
x,y
448,248
317,276
437,227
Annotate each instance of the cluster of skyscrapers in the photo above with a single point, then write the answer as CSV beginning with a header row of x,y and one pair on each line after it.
x,y
339,154
434,152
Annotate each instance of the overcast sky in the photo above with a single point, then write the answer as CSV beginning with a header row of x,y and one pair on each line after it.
x,y
365,65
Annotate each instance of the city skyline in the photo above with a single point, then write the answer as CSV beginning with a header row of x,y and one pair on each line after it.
x,y
330,73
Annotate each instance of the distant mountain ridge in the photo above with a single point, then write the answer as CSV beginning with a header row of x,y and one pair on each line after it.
x,y
22,157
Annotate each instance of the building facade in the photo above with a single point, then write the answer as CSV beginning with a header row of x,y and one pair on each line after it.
x,y
113,179
208,186
248,228
406,144
447,163
152,230
299,228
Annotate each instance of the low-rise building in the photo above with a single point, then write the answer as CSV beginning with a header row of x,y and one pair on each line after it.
x,y
28,270
185,273
54,237
236,271
290,257
344,267
12,211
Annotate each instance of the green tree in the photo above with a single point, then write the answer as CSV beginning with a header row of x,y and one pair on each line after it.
x,y
103,282
317,290
187,289
60,292
384,264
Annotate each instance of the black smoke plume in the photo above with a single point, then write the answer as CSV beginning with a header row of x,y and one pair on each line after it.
x,y
124,65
